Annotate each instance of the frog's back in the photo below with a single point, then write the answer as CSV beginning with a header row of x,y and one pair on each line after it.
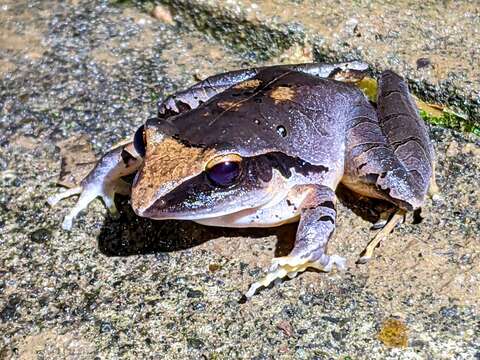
x,y
277,110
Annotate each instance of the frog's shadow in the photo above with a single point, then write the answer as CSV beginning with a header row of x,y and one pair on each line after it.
x,y
130,234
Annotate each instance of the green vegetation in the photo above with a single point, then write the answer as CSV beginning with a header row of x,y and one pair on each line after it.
x,y
432,113
452,120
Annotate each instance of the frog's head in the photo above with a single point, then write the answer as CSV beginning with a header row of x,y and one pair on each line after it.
x,y
186,182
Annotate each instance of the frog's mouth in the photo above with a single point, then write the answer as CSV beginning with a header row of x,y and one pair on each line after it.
x,y
198,201
246,213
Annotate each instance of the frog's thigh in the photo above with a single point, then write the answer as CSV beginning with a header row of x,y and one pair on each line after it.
x,y
390,157
317,223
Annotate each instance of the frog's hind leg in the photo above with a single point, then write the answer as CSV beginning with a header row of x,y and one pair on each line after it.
x,y
317,224
389,153
407,136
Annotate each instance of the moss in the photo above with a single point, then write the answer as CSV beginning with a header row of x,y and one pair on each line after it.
x,y
431,113
233,30
452,121
154,97
369,88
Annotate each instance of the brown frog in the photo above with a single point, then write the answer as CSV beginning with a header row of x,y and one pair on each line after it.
x,y
266,146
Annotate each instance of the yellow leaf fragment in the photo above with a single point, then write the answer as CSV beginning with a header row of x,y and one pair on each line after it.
x,y
369,87
393,333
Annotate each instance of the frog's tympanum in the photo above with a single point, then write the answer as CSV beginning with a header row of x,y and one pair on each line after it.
x,y
267,146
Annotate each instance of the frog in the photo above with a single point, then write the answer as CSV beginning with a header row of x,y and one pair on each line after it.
x,y
266,146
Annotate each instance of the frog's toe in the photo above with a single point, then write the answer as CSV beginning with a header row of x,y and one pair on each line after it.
x,y
67,223
369,250
296,264
436,197
55,199
339,261
290,266
88,193
108,200
86,197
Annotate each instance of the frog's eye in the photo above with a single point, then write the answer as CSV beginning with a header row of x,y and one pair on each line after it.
x,y
224,170
139,141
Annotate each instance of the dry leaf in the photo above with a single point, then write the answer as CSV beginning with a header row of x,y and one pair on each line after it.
x,y
78,159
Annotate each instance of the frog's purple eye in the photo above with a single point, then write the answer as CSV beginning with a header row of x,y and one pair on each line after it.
x,y
224,171
139,141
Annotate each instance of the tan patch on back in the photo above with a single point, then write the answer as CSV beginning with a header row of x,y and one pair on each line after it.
x,y
249,84
167,163
282,94
229,105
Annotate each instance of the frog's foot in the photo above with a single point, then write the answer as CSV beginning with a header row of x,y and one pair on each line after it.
x,y
290,266
88,192
367,253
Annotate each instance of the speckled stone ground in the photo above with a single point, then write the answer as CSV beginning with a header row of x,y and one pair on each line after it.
x,y
134,288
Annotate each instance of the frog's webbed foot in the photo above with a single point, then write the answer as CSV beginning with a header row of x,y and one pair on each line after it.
x,y
290,266
317,223
103,181
382,234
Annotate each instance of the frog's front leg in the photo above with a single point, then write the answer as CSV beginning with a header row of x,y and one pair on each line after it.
x,y
103,181
317,224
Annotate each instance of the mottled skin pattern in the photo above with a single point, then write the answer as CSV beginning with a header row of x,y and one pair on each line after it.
x,y
298,133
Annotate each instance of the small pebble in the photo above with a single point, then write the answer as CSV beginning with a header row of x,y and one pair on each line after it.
x,y
161,13
214,267
40,236
194,294
195,343
423,63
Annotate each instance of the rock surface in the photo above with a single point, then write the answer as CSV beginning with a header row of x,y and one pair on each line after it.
x,y
137,288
